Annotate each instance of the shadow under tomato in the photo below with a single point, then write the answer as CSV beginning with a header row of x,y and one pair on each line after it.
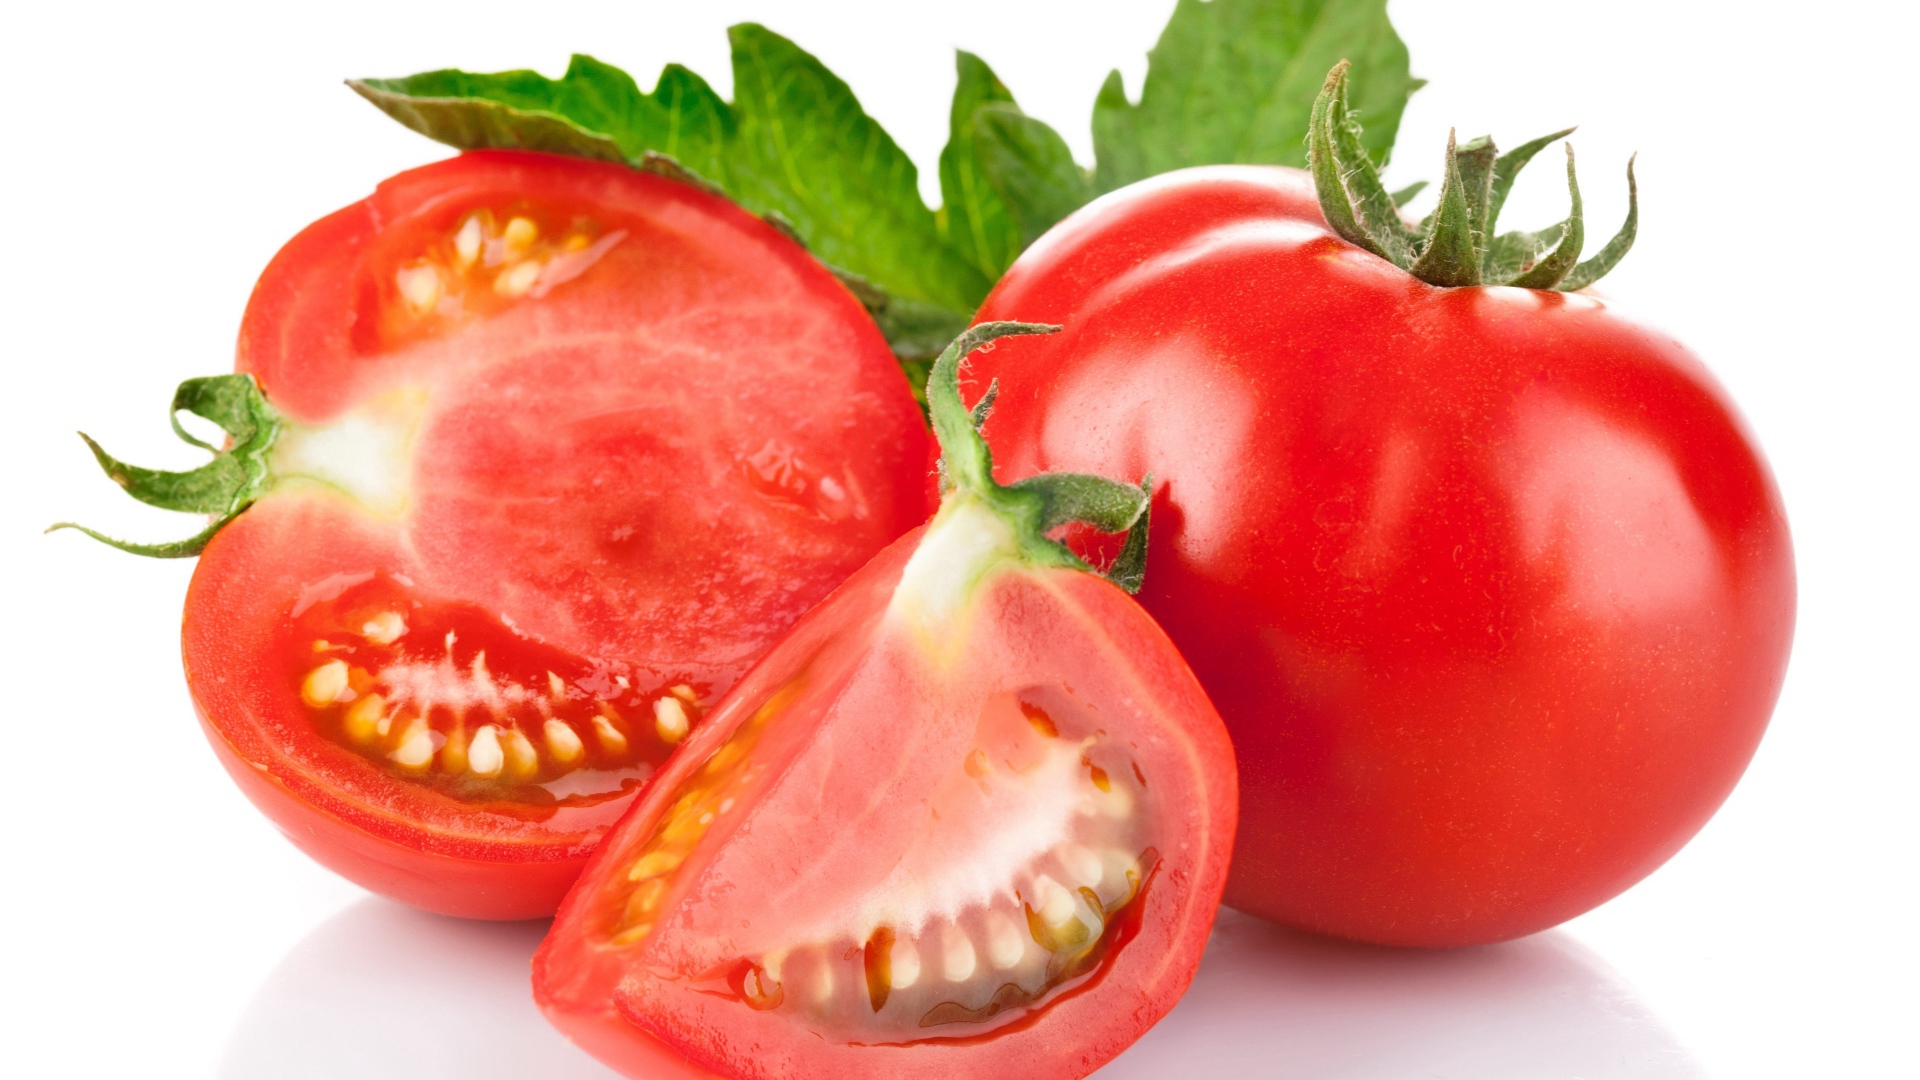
x,y
1270,1002
383,991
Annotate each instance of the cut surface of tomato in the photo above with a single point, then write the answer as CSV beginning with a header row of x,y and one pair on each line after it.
x,y
971,817
562,448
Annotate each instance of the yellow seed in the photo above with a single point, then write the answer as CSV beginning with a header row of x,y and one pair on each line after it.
x,y
685,693
670,720
322,645
614,743
1056,903
522,760
515,280
724,758
420,286
466,242
773,962
654,863
453,755
484,755
362,722
416,746
685,828
1004,943
1082,866
957,959
646,900
563,743
556,687
520,234
578,242
633,934
384,628
324,684
905,965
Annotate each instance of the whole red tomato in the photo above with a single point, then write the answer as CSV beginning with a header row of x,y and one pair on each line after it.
x,y
971,818
1491,585
546,453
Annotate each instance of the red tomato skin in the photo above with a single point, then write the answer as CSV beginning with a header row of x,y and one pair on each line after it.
x,y
629,1020
1492,587
311,337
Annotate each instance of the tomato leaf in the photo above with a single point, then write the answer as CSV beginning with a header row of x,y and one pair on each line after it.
x,y
1233,81
973,217
806,150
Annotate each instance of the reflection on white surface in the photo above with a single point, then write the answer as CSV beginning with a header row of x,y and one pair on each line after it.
x,y
1270,1002
382,991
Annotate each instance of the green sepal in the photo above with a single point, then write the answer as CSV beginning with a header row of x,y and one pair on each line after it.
x,y
221,488
1456,245
1039,505
173,549
1549,271
1129,569
1451,256
1608,257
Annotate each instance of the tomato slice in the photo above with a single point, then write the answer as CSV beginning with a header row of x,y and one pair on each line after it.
x,y
566,447
972,817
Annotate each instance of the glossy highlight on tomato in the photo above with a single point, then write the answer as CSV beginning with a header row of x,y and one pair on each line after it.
x,y
566,447
970,818
1491,585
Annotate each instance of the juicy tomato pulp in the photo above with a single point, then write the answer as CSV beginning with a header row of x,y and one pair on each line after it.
x,y
1491,586
567,447
919,840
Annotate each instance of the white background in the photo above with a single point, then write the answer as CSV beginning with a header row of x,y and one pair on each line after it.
x,y
156,155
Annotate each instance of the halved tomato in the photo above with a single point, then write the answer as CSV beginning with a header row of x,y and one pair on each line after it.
x,y
549,452
971,818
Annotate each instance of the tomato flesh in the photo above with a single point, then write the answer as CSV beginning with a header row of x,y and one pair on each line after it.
x,y
567,447
903,848
1491,585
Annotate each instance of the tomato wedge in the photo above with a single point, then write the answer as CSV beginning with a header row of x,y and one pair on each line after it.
x,y
548,452
972,817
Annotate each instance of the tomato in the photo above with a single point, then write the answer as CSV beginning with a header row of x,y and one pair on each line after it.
x,y
1491,585
558,449
970,818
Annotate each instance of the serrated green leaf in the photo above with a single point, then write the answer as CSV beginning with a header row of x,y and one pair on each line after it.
x,y
1030,167
1234,81
806,150
973,219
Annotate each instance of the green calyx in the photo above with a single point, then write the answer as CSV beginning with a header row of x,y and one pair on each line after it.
x,y
1455,245
221,488
1038,505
